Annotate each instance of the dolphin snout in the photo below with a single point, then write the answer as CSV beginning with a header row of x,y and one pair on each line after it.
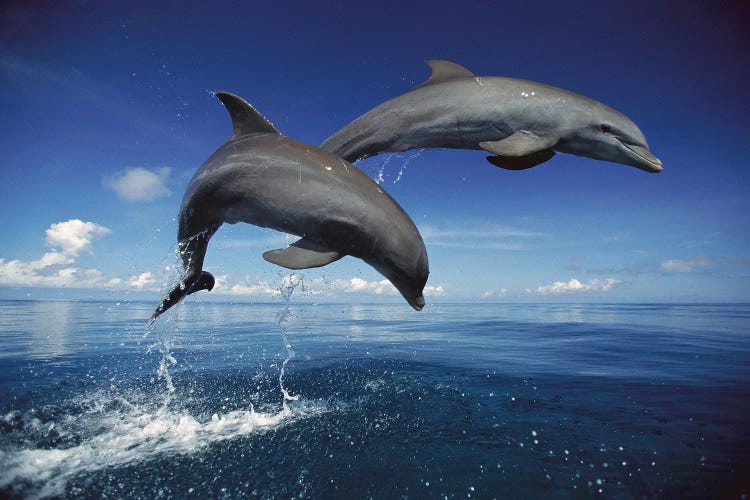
x,y
657,167
645,159
414,298
418,303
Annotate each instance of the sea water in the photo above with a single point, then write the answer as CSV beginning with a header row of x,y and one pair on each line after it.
x,y
458,400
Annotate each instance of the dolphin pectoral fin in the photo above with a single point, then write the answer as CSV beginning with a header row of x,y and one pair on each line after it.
x,y
520,150
521,162
521,143
302,254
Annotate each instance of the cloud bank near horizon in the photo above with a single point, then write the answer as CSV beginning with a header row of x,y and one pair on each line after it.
x,y
69,239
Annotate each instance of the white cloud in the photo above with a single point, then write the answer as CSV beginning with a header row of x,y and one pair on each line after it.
x,y
684,265
317,286
262,288
559,287
140,184
383,287
20,273
356,285
57,270
434,291
494,294
50,259
221,283
74,236
54,269
141,280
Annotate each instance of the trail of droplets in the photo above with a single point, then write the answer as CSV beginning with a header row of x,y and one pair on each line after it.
x,y
379,179
288,285
173,273
406,164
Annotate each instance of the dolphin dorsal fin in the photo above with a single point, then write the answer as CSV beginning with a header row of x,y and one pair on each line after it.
x,y
443,71
245,118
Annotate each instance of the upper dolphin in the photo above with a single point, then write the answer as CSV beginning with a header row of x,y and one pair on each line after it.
x,y
522,123
264,178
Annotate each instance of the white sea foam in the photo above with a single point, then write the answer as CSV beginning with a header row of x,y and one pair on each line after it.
x,y
130,434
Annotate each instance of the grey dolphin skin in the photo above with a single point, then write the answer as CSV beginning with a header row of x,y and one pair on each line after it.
x,y
263,178
522,123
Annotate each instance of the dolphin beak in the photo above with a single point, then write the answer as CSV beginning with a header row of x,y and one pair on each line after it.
x,y
418,303
644,159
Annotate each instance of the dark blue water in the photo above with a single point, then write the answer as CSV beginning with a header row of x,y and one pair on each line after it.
x,y
458,400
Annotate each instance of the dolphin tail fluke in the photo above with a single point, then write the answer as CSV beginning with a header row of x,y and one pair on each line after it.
x,y
188,285
354,142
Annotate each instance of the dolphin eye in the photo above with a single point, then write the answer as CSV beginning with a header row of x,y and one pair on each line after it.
x,y
606,128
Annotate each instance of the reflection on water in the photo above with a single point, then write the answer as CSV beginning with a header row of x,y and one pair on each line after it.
x,y
50,330
39,330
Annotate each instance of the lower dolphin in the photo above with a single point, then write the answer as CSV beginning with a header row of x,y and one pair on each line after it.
x,y
522,123
263,178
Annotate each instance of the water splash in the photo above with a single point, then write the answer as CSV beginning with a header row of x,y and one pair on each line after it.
x,y
406,164
165,362
288,285
173,273
174,269
105,429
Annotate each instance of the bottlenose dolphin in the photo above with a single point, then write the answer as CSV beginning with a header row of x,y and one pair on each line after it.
x,y
264,178
522,123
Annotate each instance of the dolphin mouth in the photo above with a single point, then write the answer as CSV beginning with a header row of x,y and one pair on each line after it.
x,y
646,159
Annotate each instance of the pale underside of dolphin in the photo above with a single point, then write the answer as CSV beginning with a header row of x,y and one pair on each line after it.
x,y
522,123
263,178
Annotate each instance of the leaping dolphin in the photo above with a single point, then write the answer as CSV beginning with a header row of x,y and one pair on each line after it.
x,y
522,123
264,178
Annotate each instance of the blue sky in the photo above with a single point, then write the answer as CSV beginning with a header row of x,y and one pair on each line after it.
x,y
107,112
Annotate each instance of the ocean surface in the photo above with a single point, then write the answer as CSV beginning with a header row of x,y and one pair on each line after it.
x,y
340,400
